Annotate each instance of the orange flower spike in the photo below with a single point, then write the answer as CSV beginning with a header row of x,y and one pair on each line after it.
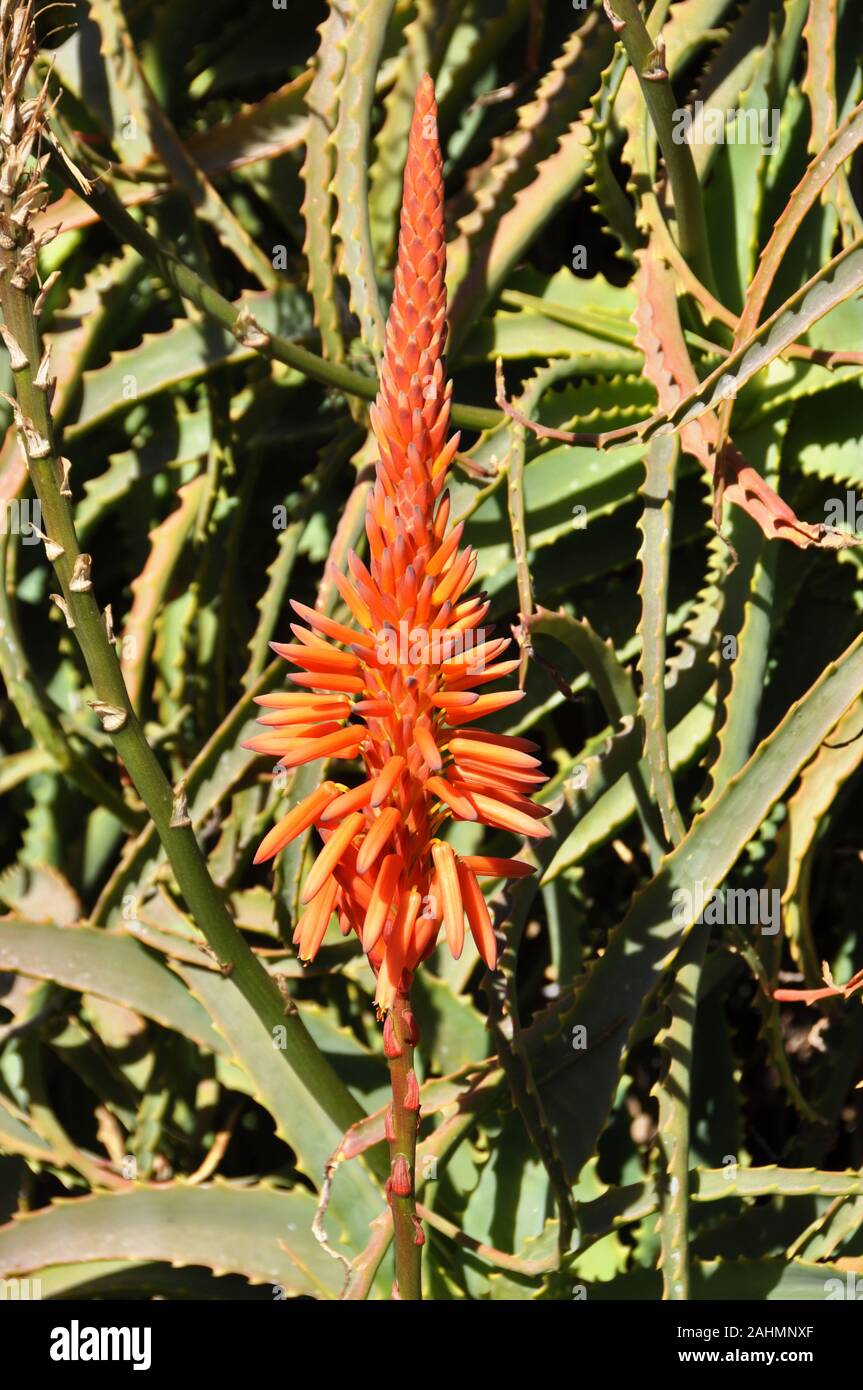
x,y
395,682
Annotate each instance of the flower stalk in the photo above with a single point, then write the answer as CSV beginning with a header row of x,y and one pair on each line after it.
x,y
402,1125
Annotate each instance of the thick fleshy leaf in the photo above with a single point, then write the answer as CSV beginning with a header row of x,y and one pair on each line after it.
x,y
262,1233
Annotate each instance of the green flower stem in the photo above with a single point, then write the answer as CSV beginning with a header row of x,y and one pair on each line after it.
x,y
115,711
105,203
661,104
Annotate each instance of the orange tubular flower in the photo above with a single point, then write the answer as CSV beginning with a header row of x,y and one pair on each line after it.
x,y
397,687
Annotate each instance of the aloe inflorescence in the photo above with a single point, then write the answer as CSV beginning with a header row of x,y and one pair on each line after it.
x,y
404,687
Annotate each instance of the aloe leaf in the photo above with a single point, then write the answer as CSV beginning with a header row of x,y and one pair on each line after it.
x,y
614,687
839,148
317,173
676,1043
828,1233
837,281
830,449
97,1050
186,351
145,115
821,782
514,1169
300,1120
40,717
508,230
529,335
820,34
260,1232
40,893
746,625
18,1137
494,188
511,907
515,496
676,1040
167,544
453,1033
16,768
156,939
635,1201
424,43
94,70
737,181
113,967
144,1279
616,804
793,20
362,44
93,311
256,133
668,365
44,1120
270,604
656,522
190,439
614,206
647,940
469,62
727,1280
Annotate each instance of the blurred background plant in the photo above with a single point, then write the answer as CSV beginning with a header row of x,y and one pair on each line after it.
x,y
629,1113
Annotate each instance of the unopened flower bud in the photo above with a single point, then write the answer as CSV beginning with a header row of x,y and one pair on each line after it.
x,y
392,1046
412,1092
401,1184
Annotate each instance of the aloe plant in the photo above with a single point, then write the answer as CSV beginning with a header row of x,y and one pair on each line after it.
x,y
636,1074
